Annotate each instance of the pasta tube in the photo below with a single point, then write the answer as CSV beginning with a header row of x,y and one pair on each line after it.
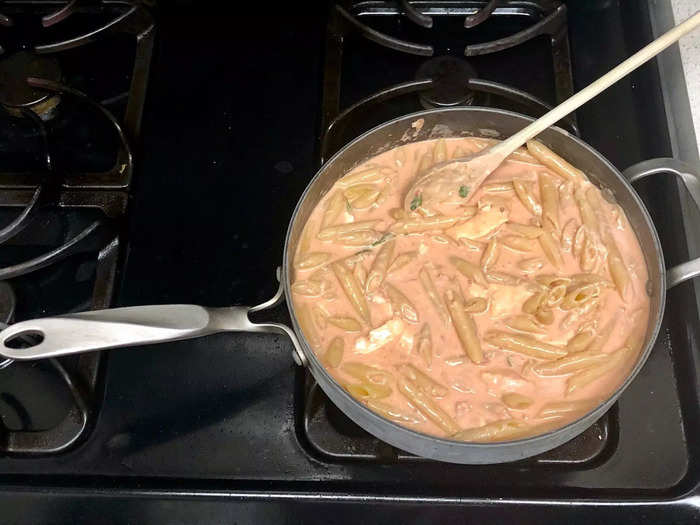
x,y
554,162
549,197
380,266
352,290
524,344
423,381
464,326
400,304
470,270
426,406
430,290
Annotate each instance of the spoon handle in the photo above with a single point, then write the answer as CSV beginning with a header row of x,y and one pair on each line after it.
x,y
649,51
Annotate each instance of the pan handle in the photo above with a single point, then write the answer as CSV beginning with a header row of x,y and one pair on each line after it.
x,y
690,176
134,326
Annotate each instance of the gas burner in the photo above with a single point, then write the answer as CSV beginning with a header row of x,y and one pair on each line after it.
x,y
16,92
450,76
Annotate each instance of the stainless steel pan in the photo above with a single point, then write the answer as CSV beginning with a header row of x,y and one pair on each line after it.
x,y
123,327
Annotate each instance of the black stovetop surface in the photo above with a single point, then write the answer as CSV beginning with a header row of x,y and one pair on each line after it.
x,y
211,429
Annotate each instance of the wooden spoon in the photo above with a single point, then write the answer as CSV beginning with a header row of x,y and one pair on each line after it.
x,y
457,179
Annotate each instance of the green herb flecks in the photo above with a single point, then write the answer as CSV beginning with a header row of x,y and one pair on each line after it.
x,y
463,191
417,201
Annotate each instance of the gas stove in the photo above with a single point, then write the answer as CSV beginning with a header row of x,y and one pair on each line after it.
x,y
242,108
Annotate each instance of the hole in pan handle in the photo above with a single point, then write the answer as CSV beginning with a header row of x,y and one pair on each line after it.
x,y
134,326
690,176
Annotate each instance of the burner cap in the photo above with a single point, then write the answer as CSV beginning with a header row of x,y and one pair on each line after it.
x,y
450,75
14,70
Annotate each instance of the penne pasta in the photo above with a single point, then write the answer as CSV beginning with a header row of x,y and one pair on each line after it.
x,y
473,246
554,162
549,197
424,224
524,344
531,304
568,232
366,391
588,216
525,230
367,374
390,412
587,376
579,279
525,323
516,243
311,260
464,326
570,363
423,344
581,313
308,288
476,305
497,187
352,289
362,196
530,265
334,207
423,381
469,270
402,260
356,258
345,323
550,247
579,241
516,401
380,266
359,238
334,353
426,406
552,280
566,194
523,189
544,316
331,232
560,408
617,268
503,278
400,304
490,255
580,341
360,274
589,256
496,431
359,177
577,296
555,296
432,293
358,190
453,306
319,316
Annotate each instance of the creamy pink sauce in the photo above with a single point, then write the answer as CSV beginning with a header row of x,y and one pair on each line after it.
x,y
473,392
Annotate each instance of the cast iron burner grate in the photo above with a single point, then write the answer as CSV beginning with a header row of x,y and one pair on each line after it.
x,y
66,123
